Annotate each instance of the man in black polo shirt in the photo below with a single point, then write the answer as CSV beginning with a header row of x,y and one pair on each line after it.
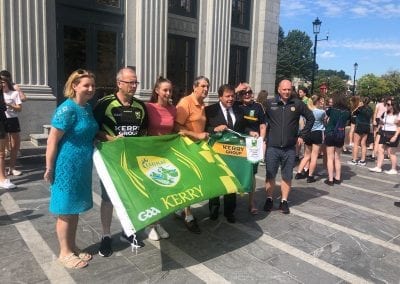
x,y
283,113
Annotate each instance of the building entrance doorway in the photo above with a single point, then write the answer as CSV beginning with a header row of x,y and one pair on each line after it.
x,y
88,39
180,65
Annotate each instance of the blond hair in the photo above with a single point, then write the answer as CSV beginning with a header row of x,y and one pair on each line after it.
x,y
74,79
312,102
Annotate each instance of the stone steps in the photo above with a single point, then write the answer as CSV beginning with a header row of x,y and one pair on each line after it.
x,y
36,146
40,139
29,149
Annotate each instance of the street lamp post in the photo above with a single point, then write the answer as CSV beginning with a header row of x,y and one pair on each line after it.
x,y
316,28
354,79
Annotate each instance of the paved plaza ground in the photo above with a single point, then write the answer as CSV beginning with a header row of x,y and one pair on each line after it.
x,y
345,233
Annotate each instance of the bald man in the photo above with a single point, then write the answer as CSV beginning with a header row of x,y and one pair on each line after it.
x,y
283,113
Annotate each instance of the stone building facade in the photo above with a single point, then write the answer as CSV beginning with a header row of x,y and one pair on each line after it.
x,y
42,41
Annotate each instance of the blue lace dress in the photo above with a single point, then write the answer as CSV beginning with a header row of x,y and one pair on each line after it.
x,y
71,191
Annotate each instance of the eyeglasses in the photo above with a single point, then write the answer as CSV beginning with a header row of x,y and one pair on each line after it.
x,y
130,82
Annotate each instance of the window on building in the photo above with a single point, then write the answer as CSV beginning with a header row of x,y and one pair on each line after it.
x,y
180,64
238,65
241,14
183,7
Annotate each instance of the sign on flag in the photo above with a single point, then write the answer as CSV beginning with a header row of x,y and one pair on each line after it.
x,y
240,152
149,177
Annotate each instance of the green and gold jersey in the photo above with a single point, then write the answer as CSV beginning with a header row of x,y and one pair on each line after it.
x,y
115,119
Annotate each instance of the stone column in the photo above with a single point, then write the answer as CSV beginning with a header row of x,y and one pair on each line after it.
x,y
146,41
28,51
264,47
214,42
24,46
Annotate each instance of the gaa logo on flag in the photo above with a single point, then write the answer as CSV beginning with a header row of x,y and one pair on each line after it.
x,y
160,170
148,213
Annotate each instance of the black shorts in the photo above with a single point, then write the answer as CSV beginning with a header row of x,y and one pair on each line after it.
x,y
385,139
362,128
12,125
332,141
315,137
2,129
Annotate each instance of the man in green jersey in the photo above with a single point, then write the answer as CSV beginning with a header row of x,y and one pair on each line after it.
x,y
119,115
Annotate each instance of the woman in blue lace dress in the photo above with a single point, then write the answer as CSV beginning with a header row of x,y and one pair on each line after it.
x,y
69,164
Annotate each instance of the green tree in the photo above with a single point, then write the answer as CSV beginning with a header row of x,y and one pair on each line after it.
x,y
392,82
334,83
294,55
372,86
330,73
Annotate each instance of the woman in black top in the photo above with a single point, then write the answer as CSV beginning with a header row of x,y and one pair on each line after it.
x,y
363,115
338,116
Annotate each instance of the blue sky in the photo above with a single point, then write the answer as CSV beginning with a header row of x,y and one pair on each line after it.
x,y
362,31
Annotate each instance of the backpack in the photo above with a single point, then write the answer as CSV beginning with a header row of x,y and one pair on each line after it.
x,y
339,131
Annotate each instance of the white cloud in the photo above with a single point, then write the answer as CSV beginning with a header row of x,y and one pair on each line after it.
x,y
331,8
293,8
366,44
342,8
327,54
360,11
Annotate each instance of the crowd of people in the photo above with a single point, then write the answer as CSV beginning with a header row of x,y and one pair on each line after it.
x,y
287,122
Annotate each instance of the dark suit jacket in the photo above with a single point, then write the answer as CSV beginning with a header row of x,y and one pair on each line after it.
x,y
215,117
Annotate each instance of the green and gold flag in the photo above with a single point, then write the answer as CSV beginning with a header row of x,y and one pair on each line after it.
x,y
147,178
233,149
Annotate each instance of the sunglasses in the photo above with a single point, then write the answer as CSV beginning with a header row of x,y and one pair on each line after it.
x,y
247,93
81,71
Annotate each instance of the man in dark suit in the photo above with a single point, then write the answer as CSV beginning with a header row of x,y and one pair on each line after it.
x,y
219,117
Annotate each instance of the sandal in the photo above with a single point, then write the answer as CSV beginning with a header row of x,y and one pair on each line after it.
x,y
83,255
72,261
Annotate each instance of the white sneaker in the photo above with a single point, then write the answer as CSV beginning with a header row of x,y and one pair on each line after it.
x,y
7,184
14,172
361,163
376,170
152,233
352,162
391,172
161,231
